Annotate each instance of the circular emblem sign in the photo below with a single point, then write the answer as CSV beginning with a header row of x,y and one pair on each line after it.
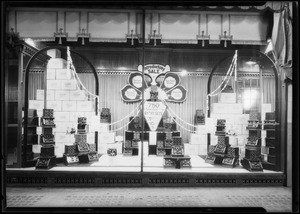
x,y
137,81
176,94
131,93
170,82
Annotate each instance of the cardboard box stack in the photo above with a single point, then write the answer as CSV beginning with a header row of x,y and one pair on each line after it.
x,y
47,158
68,102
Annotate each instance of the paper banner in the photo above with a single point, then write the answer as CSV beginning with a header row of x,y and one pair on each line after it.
x,y
171,80
177,94
130,94
153,112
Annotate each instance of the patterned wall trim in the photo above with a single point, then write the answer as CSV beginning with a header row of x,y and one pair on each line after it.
x,y
168,181
121,181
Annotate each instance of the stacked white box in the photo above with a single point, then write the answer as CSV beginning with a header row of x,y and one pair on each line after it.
x,y
62,138
84,106
106,138
63,127
57,63
152,137
234,129
68,85
244,130
210,124
102,148
54,84
36,104
91,137
40,94
77,95
242,119
69,106
74,115
62,95
201,129
61,116
191,149
227,108
213,140
203,149
103,127
36,148
59,149
145,148
63,74
54,53
233,141
89,116
50,74
215,116
198,139
227,98
55,105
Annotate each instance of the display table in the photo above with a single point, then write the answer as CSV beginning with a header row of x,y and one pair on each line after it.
x,y
177,161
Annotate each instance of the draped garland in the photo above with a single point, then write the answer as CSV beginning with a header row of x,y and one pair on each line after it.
x,y
110,97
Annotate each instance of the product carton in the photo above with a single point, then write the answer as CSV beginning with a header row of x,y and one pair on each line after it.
x,y
62,95
53,84
77,95
55,105
84,106
62,116
227,98
63,74
57,63
68,85
40,94
106,138
50,74
69,106
36,104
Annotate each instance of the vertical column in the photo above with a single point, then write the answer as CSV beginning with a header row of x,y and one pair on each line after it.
x,y
20,160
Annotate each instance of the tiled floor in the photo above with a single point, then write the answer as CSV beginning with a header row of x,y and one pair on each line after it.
x,y
272,199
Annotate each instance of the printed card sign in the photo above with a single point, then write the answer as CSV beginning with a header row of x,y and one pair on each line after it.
x,y
153,112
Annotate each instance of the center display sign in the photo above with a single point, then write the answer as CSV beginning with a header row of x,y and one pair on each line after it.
x,y
159,85
153,112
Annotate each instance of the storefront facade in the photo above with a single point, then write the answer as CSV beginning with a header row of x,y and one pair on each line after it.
x,y
147,96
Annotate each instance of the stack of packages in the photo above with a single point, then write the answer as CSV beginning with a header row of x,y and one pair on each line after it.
x,y
222,153
270,147
169,124
67,100
106,141
105,116
199,117
252,159
32,137
131,146
86,152
198,141
164,147
47,157
177,158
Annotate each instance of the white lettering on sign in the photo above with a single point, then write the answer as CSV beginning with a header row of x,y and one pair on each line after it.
x,y
170,82
176,94
153,112
137,81
130,93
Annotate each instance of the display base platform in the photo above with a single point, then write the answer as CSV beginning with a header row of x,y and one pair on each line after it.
x,y
121,170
